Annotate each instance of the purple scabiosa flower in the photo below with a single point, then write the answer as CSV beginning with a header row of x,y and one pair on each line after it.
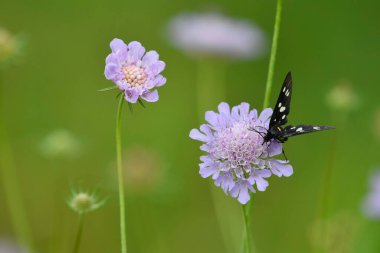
x,y
214,34
134,72
237,159
10,246
371,204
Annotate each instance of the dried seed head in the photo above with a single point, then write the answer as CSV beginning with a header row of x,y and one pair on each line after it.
x,y
83,202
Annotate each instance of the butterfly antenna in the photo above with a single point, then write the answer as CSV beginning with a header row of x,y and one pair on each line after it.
x,y
254,129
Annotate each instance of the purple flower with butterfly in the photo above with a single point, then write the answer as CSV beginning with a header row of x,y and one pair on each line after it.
x,y
238,159
133,71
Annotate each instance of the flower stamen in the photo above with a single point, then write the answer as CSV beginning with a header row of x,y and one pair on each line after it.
x,y
135,76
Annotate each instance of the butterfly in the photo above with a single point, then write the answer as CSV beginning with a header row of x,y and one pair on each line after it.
x,y
279,118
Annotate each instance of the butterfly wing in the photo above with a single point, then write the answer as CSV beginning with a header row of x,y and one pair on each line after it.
x,y
290,131
282,108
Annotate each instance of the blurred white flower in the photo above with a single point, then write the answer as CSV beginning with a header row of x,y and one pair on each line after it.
x,y
60,143
9,246
214,34
342,97
10,46
142,169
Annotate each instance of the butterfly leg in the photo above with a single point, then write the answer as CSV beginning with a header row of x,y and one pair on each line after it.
x,y
283,152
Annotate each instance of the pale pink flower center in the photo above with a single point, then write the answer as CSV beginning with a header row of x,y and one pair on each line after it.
x,y
135,76
238,145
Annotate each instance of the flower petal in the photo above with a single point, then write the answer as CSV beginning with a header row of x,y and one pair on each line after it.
x,y
212,118
112,58
111,71
280,168
131,95
117,45
150,96
195,134
135,52
226,181
156,68
119,48
265,115
275,148
253,115
244,110
159,81
224,108
150,58
207,170
244,194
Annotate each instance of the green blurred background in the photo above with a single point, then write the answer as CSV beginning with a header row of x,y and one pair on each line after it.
x,y
54,86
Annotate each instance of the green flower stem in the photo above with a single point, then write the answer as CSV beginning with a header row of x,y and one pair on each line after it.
x,y
11,185
323,214
79,233
247,208
273,54
248,242
120,177
326,191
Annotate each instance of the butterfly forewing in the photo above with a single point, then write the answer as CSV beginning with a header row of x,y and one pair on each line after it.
x,y
282,108
290,131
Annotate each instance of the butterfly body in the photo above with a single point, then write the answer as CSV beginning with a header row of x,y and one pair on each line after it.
x,y
276,130
275,133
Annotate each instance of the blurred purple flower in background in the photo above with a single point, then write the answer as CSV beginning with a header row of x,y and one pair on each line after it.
x,y
237,158
214,34
9,246
371,204
134,72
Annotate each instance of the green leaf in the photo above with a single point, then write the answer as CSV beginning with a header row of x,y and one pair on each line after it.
x,y
108,88
141,103
130,105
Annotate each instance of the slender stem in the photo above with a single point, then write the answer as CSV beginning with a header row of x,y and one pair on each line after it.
x,y
79,233
11,185
120,177
248,242
326,190
272,60
328,177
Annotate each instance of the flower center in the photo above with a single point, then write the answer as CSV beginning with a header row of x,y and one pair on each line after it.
x,y
238,145
135,76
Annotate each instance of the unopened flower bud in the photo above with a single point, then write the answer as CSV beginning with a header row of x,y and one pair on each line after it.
x,y
84,202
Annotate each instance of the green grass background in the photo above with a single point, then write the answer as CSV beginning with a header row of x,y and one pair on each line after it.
x,y
56,84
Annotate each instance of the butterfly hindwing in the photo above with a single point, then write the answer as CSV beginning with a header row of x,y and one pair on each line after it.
x,y
282,108
290,131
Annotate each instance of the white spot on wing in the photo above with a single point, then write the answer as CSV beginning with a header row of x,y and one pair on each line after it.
x,y
282,108
292,127
279,104
300,129
283,90
316,128
287,93
283,116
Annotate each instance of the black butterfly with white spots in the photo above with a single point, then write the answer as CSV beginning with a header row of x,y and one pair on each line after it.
x,y
279,118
